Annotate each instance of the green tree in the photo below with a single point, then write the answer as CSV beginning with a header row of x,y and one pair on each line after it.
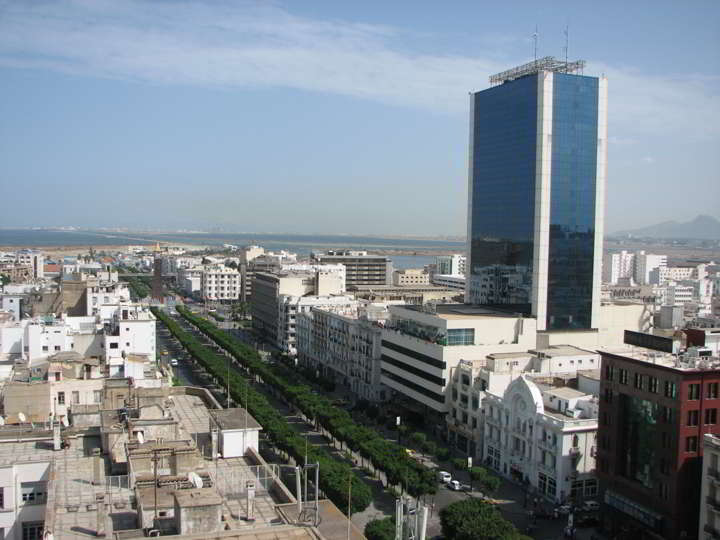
x,y
418,439
475,519
459,464
4,279
443,454
380,529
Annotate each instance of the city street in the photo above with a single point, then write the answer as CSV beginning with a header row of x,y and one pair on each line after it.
x,y
510,497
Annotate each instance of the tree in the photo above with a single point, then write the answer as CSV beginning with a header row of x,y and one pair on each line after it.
x,y
459,464
418,438
475,519
4,279
380,529
442,454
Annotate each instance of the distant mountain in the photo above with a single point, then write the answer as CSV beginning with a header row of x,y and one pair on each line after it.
x,y
702,228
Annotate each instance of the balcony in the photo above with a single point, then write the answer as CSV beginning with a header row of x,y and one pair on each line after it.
x,y
712,531
714,474
713,502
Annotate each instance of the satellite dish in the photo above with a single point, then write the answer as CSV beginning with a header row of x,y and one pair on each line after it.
x,y
140,437
22,417
2,421
65,421
195,479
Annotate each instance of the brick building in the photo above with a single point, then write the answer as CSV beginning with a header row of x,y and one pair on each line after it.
x,y
655,408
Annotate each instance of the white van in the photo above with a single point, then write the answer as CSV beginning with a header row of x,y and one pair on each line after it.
x,y
444,477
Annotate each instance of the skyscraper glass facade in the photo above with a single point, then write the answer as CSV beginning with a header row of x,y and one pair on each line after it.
x,y
503,195
505,172
572,201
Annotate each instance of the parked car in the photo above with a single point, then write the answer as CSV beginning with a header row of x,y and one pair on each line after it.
x,y
444,477
591,506
174,362
457,486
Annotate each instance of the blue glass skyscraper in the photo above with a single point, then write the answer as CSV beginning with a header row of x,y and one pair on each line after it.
x,y
536,188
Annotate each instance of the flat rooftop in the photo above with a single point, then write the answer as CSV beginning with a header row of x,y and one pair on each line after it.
x,y
670,361
237,418
461,311
561,350
565,392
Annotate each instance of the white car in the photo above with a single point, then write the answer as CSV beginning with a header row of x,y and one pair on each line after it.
x,y
174,362
591,506
454,485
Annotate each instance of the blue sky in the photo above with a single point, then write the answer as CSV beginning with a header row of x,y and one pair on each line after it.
x,y
317,116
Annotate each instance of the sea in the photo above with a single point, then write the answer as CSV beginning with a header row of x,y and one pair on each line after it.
x,y
300,244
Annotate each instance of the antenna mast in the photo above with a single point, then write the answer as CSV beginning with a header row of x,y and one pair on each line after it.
x,y
535,42
567,41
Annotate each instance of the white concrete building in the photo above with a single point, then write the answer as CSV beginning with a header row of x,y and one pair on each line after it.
x,y
646,263
451,281
290,307
419,349
450,264
544,436
34,259
219,282
622,266
709,528
24,493
410,276
345,347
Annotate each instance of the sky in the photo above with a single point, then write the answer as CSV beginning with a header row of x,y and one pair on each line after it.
x,y
326,116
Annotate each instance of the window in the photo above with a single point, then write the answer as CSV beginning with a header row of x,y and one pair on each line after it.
x,y
2,497
712,390
113,345
461,336
57,347
653,384
609,373
32,530
693,418
76,397
608,395
33,492
623,376
691,444
693,391
61,398
710,416
97,396
45,348
638,381
668,414
670,389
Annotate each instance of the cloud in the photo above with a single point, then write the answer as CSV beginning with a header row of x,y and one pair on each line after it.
x,y
259,44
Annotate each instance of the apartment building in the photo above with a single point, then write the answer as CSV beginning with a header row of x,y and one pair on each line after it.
x,y
655,409
218,282
450,264
361,267
344,346
410,276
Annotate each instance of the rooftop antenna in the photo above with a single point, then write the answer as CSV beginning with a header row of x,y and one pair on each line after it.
x,y
535,42
567,41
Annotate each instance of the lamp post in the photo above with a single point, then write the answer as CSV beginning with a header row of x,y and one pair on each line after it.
x,y
397,424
